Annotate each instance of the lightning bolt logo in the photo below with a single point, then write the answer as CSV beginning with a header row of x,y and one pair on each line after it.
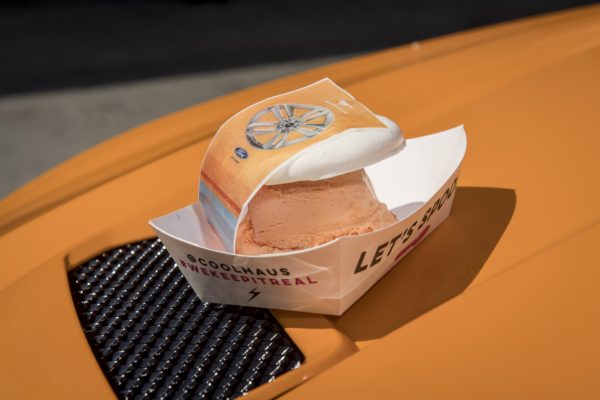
x,y
254,293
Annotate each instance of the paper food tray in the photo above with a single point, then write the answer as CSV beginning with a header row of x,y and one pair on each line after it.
x,y
417,184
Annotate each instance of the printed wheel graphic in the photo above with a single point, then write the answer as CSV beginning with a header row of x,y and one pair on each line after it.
x,y
286,124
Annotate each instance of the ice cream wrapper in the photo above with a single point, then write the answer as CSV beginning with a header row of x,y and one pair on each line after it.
x,y
310,133
417,184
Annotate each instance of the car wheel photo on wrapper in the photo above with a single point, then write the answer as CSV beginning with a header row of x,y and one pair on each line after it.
x,y
283,125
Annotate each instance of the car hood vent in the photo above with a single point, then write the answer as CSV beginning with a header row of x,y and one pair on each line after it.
x,y
154,338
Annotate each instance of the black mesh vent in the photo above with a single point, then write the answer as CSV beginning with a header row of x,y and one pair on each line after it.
x,y
154,338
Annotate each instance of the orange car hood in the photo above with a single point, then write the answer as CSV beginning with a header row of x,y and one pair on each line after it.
x,y
500,302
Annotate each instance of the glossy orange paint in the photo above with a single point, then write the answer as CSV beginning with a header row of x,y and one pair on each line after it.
x,y
499,302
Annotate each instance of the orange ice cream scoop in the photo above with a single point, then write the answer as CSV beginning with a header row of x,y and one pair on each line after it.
x,y
299,215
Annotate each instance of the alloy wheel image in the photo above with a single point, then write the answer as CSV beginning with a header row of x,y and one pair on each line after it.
x,y
283,125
